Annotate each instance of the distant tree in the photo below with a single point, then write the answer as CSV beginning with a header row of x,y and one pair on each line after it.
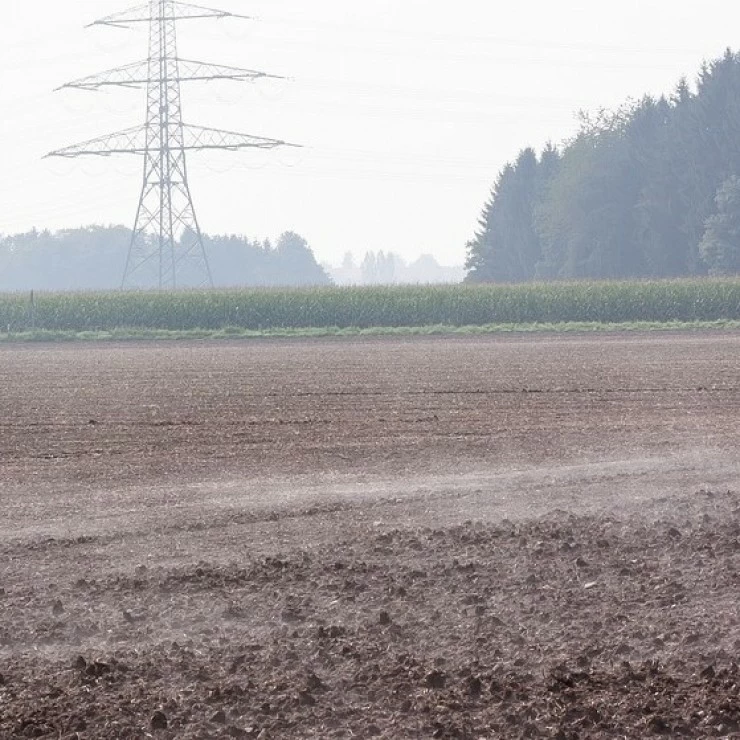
x,y
380,268
348,261
494,255
369,269
91,258
427,270
481,250
385,268
659,209
551,249
94,258
720,246
628,196
390,268
507,246
588,217
296,262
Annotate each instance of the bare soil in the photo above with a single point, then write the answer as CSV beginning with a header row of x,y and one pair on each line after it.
x,y
453,538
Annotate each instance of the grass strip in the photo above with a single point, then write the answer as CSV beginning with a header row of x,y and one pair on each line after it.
x,y
232,333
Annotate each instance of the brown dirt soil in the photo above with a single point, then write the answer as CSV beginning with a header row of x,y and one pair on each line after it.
x,y
452,538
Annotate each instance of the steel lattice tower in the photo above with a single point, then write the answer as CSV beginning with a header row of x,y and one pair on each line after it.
x,y
166,249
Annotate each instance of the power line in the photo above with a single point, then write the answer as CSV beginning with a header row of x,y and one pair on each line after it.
x,y
166,248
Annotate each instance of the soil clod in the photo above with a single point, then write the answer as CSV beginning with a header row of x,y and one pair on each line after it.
x,y
310,572
159,721
436,680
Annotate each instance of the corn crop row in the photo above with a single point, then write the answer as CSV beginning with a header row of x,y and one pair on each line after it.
x,y
368,307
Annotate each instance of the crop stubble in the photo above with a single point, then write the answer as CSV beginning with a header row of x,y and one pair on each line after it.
x,y
272,538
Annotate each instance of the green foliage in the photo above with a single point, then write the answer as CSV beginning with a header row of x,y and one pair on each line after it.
x,y
720,247
93,258
270,310
629,197
507,247
438,330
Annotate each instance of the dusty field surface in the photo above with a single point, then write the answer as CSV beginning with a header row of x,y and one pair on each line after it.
x,y
423,538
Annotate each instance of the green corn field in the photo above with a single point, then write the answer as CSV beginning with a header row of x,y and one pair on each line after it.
x,y
701,300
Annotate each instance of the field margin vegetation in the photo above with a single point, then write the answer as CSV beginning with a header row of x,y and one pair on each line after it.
x,y
393,310
234,333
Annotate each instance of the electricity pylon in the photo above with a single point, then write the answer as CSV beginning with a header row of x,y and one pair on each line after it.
x,y
166,249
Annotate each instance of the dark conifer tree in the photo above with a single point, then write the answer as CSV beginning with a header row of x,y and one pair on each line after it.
x,y
720,246
629,196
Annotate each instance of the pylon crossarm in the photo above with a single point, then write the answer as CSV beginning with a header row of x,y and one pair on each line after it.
x,y
180,12
195,138
198,137
159,254
191,70
136,75
132,75
122,19
130,141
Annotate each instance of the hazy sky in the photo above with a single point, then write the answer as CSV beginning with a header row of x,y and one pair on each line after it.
x,y
407,109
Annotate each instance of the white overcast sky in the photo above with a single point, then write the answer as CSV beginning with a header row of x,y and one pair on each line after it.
x,y
407,109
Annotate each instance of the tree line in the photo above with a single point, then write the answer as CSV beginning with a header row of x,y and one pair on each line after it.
x,y
649,190
93,258
388,268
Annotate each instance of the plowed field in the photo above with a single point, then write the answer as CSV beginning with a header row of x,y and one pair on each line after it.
x,y
450,538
